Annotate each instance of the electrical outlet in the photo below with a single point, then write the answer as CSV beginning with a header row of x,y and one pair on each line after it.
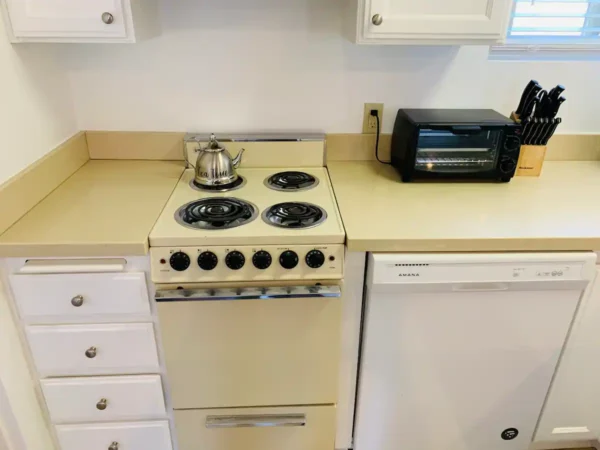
x,y
369,121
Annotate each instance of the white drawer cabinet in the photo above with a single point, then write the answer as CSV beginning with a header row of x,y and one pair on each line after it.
x,y
77,21
436,22
75,297
96,399
62,350
115,436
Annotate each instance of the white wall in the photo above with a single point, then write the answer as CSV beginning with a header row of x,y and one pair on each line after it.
x,y
36,110
284,65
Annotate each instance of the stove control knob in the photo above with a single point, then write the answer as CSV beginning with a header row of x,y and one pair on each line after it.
x,y
207,260
315,259
179,261
288,259
235,260
507,165
262,260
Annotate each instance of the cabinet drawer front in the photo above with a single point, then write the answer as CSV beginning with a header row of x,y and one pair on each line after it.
x,y
251,352
61,350
301,428
69,297
108,398
127,436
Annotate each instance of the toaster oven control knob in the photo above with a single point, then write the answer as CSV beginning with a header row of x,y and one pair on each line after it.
x,y
315,259
288,259
507,165
512,143
235,260
262,259
179,261
207,260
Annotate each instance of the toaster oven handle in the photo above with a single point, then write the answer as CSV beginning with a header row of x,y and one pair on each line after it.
x,y
246,293
466,129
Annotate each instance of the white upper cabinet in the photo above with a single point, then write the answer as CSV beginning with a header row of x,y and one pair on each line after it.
x,y
435,22
79,21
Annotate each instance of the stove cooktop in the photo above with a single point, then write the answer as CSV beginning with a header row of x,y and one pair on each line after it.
x,y
297,207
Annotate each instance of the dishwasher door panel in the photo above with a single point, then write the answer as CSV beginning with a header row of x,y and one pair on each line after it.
x,y
458,370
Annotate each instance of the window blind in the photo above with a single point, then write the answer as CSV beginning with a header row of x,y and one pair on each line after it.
x,y
555,23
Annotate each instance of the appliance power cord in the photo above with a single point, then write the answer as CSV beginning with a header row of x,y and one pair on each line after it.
x,y
375,113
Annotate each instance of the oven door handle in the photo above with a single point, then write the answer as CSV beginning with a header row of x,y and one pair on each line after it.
x,y
247,293
259,420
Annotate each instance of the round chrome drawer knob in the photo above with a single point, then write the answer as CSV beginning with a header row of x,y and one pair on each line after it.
x,y
114,446
77,301
91,352
108,18
377,19
101,405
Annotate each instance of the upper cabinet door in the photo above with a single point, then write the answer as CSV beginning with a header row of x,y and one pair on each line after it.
x,y
432,21
67,17
80,21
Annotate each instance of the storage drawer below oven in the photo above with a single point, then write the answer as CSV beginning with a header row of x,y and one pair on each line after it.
x,y
298,428
251,352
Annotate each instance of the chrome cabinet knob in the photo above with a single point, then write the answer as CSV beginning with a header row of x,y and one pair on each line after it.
x,y
114,446
108,18
77,301
101,405
91,352
377,19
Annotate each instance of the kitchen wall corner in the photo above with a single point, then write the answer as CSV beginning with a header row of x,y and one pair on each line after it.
x,y
24,190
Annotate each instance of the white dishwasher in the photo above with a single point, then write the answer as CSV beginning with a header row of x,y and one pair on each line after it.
x,y
459,350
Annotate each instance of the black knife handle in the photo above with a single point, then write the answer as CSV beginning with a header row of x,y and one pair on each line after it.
x,y
525,96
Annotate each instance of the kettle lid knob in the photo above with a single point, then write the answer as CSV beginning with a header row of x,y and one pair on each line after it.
x,y
213,144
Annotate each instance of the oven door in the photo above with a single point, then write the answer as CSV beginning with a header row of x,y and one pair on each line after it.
x,y
251,346
458,150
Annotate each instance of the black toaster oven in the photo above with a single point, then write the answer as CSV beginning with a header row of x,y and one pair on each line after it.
x,y
455,143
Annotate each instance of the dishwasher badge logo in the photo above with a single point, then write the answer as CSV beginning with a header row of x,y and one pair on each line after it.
x,y
409,274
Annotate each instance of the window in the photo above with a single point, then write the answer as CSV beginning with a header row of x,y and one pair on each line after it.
x,y
553,26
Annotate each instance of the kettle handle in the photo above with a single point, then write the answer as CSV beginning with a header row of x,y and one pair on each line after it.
x,y
187,160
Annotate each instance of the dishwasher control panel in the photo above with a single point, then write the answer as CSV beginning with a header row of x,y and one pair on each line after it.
x,y
449,268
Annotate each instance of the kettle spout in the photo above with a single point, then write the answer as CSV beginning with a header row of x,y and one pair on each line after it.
x,y
238,159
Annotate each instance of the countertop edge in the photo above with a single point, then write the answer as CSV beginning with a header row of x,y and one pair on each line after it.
x,y
473,245
73,249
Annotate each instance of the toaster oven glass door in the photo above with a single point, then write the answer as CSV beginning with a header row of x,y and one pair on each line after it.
x,y
458,150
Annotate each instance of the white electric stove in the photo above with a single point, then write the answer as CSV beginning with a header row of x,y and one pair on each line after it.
x,y
248,286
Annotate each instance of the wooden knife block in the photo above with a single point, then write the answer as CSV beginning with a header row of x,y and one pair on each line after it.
x,y
531,160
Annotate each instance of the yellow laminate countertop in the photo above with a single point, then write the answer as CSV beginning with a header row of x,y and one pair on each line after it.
x,y
106,208
560,210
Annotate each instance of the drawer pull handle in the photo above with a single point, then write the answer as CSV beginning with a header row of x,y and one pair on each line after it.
x,y
91,352
261,420
77,301
114,446
101,405
107,18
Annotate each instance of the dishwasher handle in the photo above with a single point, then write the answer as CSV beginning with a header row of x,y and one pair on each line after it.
x,y
480,287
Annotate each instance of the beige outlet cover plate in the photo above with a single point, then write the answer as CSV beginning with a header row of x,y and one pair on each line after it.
x,y
369,122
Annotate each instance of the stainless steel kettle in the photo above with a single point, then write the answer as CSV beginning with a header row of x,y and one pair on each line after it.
x,y
215,166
